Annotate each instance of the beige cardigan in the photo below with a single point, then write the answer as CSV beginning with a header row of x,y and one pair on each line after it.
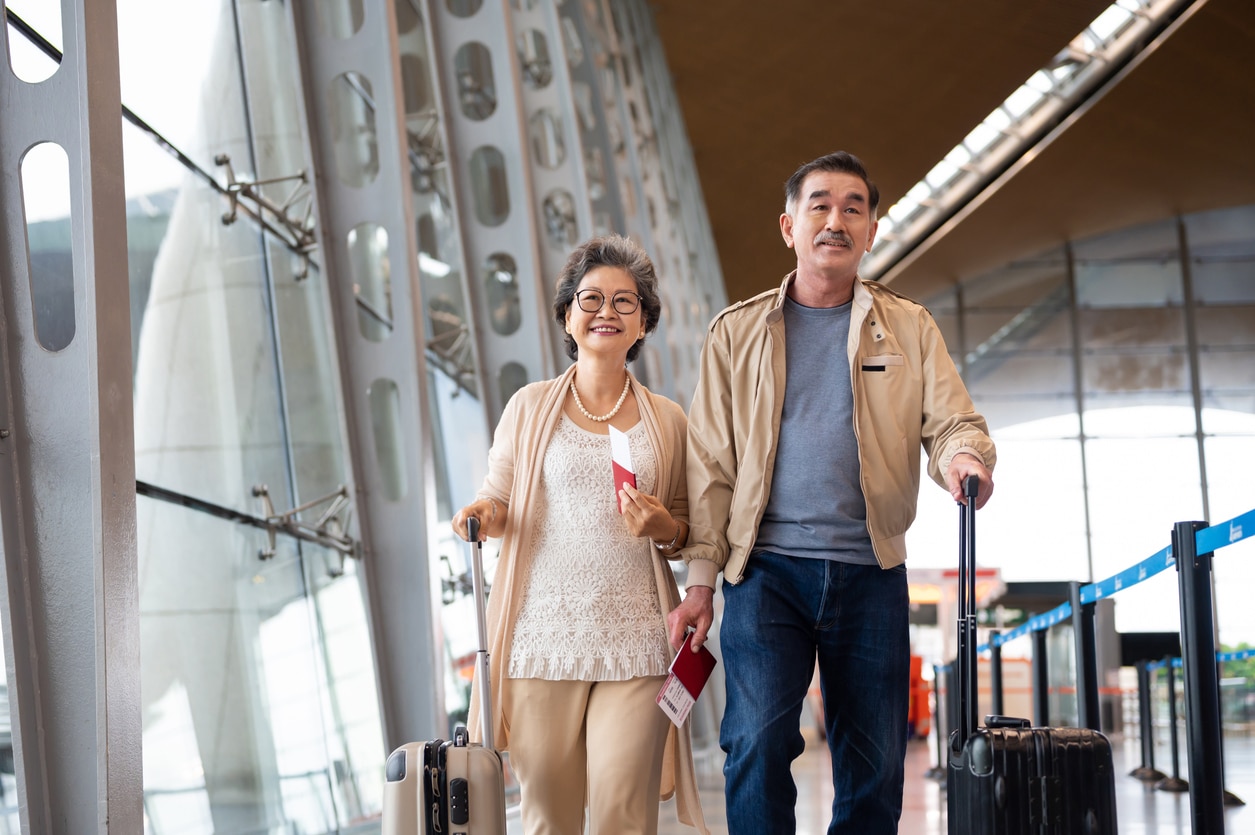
x,y
514,472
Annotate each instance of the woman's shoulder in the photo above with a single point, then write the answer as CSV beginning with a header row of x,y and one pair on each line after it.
x,y
666,408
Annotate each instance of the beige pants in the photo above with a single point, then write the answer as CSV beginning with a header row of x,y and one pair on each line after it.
x,y
576,740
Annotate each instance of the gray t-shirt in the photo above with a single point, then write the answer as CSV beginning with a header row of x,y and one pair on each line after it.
x,y
816,507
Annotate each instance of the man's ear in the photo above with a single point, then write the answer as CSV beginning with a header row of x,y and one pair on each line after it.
x,y
786,229
871,239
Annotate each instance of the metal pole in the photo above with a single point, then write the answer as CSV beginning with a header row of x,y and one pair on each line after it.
x,y
1145,722
1041,680
995,673
1202,690
1086,661
1173,783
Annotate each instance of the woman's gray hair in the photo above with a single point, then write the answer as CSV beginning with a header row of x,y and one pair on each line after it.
x,y
608,251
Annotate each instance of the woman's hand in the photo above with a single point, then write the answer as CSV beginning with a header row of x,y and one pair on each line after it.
x,y
487,512
645,516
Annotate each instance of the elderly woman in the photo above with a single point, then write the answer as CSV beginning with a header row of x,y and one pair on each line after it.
x,y
576,619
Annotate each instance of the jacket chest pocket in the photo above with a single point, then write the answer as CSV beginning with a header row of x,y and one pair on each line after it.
x,y
881,363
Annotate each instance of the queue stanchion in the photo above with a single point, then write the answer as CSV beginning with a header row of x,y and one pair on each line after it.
x,y
995,673
1202,688
1146,772
1086,661
1173,783
1041,681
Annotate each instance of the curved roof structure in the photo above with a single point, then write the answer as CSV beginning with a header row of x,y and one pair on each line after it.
x,y
765,87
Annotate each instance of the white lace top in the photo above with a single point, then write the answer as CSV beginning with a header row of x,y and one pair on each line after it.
x,y
590,607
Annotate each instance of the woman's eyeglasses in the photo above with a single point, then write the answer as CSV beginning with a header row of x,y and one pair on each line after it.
x,y
624,302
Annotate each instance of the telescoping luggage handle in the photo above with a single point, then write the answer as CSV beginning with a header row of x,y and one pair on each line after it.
x,y
966,659
481,655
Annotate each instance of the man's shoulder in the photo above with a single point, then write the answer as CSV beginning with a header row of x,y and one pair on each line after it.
x,y
887,295
752,307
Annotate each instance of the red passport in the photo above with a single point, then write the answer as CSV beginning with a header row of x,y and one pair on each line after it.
x,y
688,675
621,461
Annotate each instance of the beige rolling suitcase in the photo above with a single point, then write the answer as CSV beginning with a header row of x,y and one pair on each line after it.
x,y
451,787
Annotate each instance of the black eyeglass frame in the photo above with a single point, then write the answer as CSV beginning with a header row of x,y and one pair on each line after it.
x,y
614,301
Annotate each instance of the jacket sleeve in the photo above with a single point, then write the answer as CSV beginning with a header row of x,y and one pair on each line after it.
x,y
950,422
712,464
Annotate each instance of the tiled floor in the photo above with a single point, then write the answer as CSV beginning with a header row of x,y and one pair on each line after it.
x,y
1140,809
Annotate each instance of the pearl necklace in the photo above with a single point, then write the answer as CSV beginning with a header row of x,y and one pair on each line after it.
x,y
627,383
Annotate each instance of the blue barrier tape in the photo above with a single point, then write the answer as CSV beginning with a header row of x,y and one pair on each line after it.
x,y
1155,665
1206,541
1035,624
1226,533
1131,576
1237,655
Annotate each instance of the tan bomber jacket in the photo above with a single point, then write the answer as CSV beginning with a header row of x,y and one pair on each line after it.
x,y
907,395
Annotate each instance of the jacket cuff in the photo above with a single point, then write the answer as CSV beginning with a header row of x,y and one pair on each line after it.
x,y
701,573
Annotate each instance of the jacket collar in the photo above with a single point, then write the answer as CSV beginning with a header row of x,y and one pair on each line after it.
x,y
862,297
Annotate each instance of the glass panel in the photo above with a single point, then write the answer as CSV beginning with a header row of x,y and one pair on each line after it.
x,y
256,669
1027,470
306,350
489,186
561,229
501,286
351,720
1131,512
1222,234
353,129
1001,376
188,88
386,426
29,63
1230,326
207,412
1132,327
477,91
1228,381
545,131
534,59
1229,488
1146,377
341,19
512,377
46,200
372,280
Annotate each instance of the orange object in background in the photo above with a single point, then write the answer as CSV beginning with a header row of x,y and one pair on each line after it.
x,y
919,716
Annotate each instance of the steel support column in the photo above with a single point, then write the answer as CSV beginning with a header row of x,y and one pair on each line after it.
x,y
69,600
383,366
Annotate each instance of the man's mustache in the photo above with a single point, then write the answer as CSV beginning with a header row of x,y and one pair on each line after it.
x,y
834,238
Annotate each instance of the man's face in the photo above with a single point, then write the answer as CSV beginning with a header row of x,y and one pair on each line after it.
x,y
831,226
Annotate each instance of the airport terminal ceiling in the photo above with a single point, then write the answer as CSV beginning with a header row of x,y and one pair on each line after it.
x,y
765,87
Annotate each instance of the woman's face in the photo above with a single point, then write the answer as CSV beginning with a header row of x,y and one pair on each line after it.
x,y
596,319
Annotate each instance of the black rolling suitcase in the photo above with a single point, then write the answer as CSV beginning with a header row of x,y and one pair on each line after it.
x,y
1008,777
451,787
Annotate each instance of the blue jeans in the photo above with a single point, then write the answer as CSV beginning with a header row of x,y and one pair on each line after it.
x,y
784,613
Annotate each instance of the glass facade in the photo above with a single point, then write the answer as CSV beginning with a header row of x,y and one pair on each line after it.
x,y
1118,378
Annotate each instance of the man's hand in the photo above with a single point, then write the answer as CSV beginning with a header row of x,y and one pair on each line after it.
x,y
697,611
965,464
